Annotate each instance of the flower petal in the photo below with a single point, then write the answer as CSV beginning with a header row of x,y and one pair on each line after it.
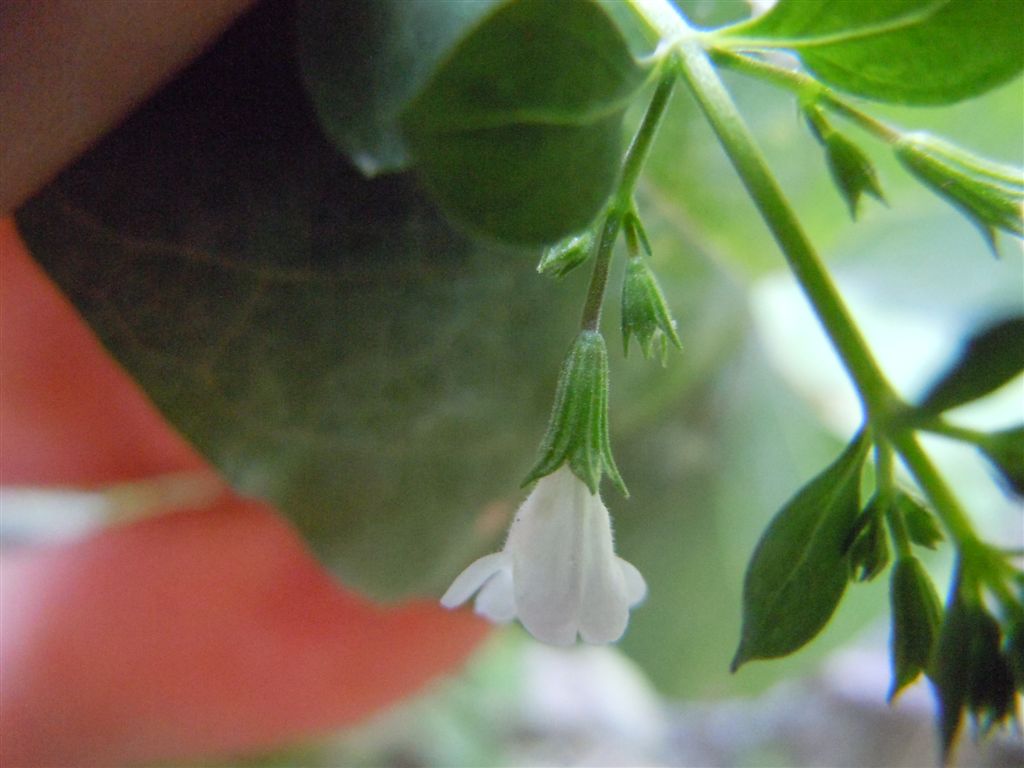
x,y
545,543
636,587
497,599
604,602
473,578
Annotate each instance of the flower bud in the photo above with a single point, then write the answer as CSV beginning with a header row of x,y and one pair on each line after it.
x,y
578,430
851,170
916,614
644,312
564,256
988,194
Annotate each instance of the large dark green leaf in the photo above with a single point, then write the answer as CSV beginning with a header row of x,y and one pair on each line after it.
x,y
988,360
910,51
518,132
364,60
328,342
798,571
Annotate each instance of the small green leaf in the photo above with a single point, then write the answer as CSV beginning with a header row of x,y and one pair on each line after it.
x,y
363,61
906,51
518,132
987,361
798,571
851,170
916,616
1006,452
564,256
990,196
578,430
921,524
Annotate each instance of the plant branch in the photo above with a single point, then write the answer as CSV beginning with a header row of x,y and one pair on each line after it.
x,y
622,200
875,393
877,396
806,88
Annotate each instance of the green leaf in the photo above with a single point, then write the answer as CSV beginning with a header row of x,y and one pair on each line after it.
x,y
1005,450
987,361
363,61
907,51
798,571
916,617
518,132
921,524
329,343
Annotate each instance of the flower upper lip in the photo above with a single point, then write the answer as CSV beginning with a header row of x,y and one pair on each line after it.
x,y
558,572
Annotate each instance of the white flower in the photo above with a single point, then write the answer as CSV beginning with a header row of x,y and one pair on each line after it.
x,y
558,573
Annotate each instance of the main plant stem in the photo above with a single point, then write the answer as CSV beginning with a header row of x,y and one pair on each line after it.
x,y
622,200
717,105
877,396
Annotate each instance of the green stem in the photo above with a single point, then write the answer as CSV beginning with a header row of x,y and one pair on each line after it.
x,y
640,147
877,396
875,393
946,505
940,426
591,319
622,200
886,488
806,88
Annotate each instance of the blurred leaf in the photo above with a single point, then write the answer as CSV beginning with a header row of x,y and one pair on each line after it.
x,y
518,133
909,51
1006,452
916,616
798,572
364,60
987,361
328,342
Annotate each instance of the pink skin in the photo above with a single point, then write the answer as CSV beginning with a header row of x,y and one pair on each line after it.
x,y
203,633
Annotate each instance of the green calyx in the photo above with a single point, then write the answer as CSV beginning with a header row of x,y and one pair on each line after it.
x,y
577,433
916,617
851,170
974,669
645,313
988,194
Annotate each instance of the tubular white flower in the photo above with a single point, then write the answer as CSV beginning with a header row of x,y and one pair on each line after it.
x,y
558,573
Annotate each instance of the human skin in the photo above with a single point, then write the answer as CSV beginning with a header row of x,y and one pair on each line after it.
x,y
206,632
